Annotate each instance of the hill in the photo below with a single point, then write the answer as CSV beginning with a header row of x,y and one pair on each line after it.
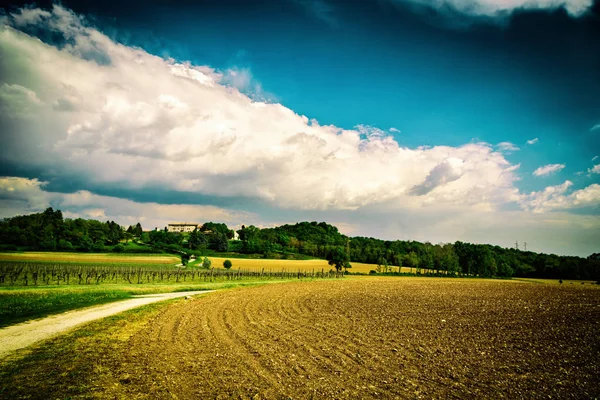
x,y
50,231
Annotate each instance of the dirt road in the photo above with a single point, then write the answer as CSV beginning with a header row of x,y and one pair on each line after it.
x,y
22,335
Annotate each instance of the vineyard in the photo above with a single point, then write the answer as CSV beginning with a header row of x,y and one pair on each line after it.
x,y
39,273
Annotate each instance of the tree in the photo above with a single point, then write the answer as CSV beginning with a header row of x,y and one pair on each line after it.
x,y
206,263
248,233
218,242
505,270
449,259
128,236
196,239
137,231
185,258
65,245
411,260
227,264
339,259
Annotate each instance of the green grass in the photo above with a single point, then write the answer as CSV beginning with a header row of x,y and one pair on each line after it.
x,y
74,365
23,304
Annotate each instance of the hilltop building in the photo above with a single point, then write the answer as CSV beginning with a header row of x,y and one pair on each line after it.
x,y
183,227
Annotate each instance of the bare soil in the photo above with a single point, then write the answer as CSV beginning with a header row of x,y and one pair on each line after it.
x,y
22,335
367,338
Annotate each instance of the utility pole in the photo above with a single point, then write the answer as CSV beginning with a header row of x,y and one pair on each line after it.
x,y
517,245
525,246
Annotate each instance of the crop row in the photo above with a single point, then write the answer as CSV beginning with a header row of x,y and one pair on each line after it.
x,y
35,274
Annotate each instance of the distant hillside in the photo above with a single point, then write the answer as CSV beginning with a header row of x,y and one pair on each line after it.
x,y
49,231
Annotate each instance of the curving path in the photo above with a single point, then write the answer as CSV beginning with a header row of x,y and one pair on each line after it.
x,y
19,336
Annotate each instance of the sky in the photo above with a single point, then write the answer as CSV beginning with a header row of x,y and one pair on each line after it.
x,y
438,121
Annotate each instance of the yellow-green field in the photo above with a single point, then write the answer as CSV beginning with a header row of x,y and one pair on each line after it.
x,y
90,257
250,264
555,281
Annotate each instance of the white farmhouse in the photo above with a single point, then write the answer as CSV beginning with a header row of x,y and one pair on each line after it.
x,y
182,227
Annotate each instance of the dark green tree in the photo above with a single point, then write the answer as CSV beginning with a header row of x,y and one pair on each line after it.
x,y
137,231
338,258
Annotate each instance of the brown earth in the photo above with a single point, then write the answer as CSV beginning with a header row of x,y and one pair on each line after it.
x,y
15,337
367,338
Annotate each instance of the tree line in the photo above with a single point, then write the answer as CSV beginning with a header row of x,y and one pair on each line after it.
x,y
322,240
50,231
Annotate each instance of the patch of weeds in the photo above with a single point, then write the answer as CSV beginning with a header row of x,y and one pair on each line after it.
x,y
74,365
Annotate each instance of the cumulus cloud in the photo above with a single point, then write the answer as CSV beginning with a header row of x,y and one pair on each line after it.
x,y
243,80
115,116
533,141
137,120
448,171
548,169
495,8
555,198
17,101
23,196
507,147
595,169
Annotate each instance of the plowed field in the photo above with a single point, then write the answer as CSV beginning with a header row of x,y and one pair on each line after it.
x,y
369,338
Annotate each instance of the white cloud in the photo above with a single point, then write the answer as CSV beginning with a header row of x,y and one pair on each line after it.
x,y
554,198
394,130
116,114
533,141
494,8
507,147
595,127
548,169
113,115
29,16
23,196
595,169
556,232
17,101
594,158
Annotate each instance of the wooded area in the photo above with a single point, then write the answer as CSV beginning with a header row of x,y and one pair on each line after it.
x,y
50,231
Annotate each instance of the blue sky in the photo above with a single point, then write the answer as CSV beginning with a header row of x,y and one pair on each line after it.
x,y
430,122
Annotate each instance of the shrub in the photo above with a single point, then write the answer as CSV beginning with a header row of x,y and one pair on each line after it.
x,y
227,264
65,245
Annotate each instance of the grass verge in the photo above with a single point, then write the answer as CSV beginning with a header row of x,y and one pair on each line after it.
x,y
20,304
72,365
